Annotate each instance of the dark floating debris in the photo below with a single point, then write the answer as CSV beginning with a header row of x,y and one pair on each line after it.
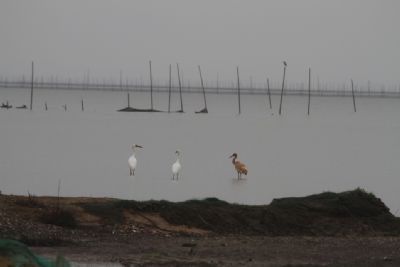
x,y
6,105
22,107
204,110
130,109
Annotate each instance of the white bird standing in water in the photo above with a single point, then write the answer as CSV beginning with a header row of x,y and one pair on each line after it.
x,y
176,167
133,161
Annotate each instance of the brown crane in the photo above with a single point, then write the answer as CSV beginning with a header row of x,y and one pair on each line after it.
x,y
239,166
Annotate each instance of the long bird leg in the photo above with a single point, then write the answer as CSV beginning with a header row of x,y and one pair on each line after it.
x,y
177,176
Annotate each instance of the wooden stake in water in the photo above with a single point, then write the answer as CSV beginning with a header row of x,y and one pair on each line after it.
x,y
354,98
238,87
180,88
120,80
217,83
283,86
32,88
309,90
82,105
169,90
151,87
269,94
129,105
45,105
204,91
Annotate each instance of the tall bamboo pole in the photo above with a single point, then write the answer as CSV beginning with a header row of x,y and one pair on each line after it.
x,y
204,91
169,90
283,86
151,87
238,87
309,90
32,88
120,80
269,94
180,87
354,98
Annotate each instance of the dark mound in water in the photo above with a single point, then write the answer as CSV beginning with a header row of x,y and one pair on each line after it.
x,y
329,214
130,109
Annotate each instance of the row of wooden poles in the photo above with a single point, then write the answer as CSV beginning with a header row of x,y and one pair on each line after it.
x,y
205,109
282,90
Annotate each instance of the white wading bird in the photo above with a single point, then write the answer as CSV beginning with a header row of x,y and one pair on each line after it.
x,y
239,166
176,167
133,161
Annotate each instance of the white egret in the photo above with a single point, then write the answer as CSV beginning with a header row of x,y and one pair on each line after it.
x,y
239,166
176,167
132,160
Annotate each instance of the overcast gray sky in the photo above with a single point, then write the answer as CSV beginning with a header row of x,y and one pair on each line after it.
x,y
338,39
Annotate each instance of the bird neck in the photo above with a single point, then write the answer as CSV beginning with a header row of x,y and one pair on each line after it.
x,y
234,160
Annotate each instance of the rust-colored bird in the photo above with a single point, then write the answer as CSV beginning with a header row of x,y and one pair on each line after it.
x,y
239,166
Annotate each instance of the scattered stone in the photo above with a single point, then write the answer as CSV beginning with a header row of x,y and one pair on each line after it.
x,y
387,258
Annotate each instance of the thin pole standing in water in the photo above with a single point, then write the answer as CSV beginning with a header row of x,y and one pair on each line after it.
x,y
120,80
204,91
309,90
354,98
169,90
283,86
151,87
180,87
129,105
32,88
269,94
238,86
82,105
217,83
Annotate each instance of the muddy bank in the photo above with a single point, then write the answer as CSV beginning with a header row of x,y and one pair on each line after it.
x,y
322,229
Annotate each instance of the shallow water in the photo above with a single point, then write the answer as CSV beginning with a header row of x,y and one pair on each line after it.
x,y
333,149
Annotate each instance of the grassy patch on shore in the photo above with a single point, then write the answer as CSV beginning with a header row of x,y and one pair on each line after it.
x,y
328,213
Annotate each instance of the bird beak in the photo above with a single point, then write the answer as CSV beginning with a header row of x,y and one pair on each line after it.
x,y
139,146
230,156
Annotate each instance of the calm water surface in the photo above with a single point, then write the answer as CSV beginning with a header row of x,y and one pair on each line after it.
x,y
334,149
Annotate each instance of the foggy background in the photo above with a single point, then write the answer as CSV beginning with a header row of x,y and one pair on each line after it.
x,y
101,39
